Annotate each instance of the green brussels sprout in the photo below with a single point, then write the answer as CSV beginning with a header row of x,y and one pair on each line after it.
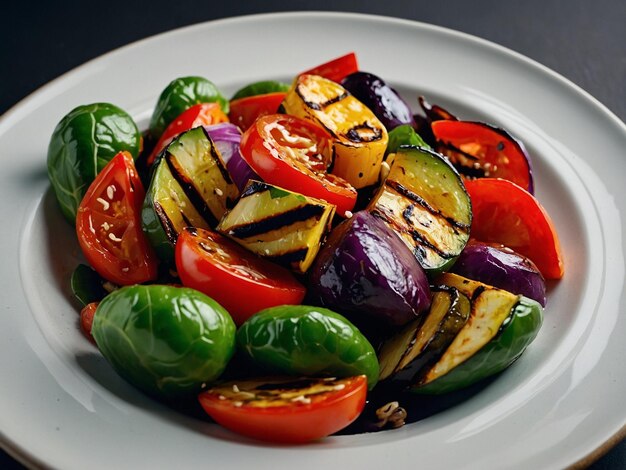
x,y
167,341
404,135
261,88
305,340
180,95
82,143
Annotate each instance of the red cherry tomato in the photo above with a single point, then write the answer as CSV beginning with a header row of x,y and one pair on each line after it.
x,y
336,69
244,111
203,114
86,319
240,281
108,225
288,410
502,212
294,154
479,150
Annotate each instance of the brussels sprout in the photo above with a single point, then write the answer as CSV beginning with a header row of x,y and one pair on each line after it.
x,y
167,341
404,135
82,143
305,340
261,88
180,95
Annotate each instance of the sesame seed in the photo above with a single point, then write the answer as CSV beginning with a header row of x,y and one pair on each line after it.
x,y
238,403
339,387
105,203
348,214
221,397
235,388
219,192
110,191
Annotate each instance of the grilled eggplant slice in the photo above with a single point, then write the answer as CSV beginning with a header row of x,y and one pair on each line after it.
x,y
424,201
281,225
421,343
189,187
500,327
360,138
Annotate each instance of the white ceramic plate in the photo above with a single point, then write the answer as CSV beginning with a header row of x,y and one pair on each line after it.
x,y
60,403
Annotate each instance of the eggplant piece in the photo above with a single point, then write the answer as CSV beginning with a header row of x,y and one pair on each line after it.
x,y
359,138
278,224
501,267
424,201
365,270
421,343
500,327
384,101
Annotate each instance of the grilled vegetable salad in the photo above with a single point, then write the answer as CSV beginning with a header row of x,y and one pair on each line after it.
x,y
280,267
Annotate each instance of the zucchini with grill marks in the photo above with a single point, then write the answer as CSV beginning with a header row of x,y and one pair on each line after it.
x,y
360,138
424,201
199,167
421,343
277,224
500,327
189,187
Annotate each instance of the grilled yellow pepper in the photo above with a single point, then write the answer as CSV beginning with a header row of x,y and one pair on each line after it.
x,y
360,138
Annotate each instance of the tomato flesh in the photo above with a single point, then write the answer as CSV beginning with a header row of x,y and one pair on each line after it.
x,y
336,69
240,281
479,150
244,111
86,319
507,214
294,154
203,114
108,225
287,410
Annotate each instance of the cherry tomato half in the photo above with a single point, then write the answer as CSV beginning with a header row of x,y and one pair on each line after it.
x,y
86,319
108,225
336,69
240,281
203,114
288,409
244,111
505,213
294,154
480,150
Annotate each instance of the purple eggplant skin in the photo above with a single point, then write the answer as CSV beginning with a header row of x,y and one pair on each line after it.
x,y
367,273
380,98
501,267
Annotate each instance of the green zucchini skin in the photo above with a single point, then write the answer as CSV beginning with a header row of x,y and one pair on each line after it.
x,y
423,342
190,186
519,330
424,201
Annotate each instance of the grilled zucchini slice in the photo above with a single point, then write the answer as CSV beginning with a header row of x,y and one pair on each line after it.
x,y
278,224
424,201
199,167
500,327
421,343
166,211
360,139
189,187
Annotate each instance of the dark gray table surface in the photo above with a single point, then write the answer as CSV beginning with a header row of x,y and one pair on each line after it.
x,y
582,40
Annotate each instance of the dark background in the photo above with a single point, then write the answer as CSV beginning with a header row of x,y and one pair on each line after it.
x,y
582,40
